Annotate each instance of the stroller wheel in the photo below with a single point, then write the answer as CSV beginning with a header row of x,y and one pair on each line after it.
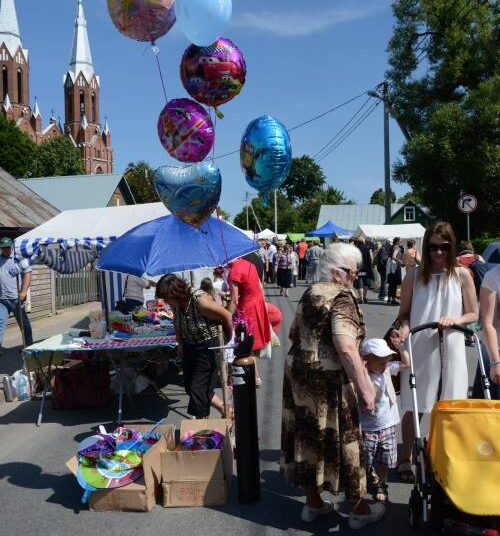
x,y
415,509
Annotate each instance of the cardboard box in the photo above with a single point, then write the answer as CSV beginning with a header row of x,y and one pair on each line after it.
x,y
138,496
197,478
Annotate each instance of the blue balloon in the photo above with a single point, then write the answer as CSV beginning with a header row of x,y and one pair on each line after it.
x,y
190,193
203,21
265,154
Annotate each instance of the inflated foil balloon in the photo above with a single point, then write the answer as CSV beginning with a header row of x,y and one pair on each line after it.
x,y
265,154
215,74
186,130
190,193
203,21
142,20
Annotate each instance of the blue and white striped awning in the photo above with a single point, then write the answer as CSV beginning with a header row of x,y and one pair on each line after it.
x,y
65,261
35,248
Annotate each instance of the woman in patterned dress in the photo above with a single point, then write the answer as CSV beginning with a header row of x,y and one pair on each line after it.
x,y
196,320
324,377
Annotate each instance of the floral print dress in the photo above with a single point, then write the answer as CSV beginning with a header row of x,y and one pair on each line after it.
x,y
321,438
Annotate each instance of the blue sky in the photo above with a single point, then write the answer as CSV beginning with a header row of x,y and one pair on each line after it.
x,y
302,58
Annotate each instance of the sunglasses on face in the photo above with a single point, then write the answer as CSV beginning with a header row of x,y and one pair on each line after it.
x,y
445,247
348,271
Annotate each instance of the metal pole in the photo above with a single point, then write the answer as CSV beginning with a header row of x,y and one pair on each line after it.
x,y
275,212
468,227
246,206
387,162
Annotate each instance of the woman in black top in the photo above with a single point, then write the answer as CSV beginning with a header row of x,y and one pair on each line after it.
x,y
196,321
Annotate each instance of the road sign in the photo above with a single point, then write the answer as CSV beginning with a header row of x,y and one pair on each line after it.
x,y
467,203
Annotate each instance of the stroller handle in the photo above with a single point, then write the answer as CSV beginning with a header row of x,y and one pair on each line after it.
x,y
435,325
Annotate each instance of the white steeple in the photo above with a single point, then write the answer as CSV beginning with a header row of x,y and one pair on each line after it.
x,y
6,103
9,27
36,109
81,57
106,127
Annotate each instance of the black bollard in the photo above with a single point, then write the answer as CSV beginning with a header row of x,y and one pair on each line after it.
x,y
246,430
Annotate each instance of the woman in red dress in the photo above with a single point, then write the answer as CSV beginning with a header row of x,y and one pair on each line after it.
x,y
248,300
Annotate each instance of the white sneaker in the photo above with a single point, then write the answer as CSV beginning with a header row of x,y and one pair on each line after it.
x,y
358,521
310,514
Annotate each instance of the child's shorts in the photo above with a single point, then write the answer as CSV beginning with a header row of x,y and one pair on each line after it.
x,y
381,447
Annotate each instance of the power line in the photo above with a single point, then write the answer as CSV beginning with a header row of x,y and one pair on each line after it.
x,y
332,140
352,129
306,122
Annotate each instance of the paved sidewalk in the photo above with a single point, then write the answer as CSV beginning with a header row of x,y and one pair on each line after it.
x,y
10,357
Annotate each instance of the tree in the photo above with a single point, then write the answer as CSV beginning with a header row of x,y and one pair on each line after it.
x,y
378,197
410,196
140,178
57,156
263,206
308,212
449,104
17,150
304,180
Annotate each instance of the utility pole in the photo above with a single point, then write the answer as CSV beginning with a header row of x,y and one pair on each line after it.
x,y
387,159
275,212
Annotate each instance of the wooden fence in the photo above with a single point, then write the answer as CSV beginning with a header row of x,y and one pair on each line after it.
x,y
75,289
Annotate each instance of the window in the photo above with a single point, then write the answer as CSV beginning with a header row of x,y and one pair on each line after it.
x,y
5,81
82,103
409,214
71,108
94,114
19,86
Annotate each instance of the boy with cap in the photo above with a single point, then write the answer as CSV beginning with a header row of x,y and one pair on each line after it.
x,y
379,426
11,293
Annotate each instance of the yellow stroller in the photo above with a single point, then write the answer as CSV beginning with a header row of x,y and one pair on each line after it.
x,y
458,467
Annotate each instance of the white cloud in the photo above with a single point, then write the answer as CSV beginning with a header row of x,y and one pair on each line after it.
x,y
301,23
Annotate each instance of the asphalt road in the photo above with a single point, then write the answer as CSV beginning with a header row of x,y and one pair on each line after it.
x,y
39,497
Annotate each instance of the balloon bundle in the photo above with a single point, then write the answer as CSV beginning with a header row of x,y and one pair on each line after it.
x,y
213,72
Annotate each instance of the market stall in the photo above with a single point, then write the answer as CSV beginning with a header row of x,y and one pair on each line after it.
x,y
388,232
330,229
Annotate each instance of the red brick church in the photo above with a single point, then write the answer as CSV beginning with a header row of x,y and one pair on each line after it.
x,y
82,123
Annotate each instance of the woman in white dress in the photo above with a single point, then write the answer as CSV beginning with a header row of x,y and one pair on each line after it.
x,y
436,291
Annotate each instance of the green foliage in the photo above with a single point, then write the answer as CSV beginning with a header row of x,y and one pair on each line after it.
x,y
481,242
378,197
305,179
291,218
140,177
444,59
17,150
57,156
410,196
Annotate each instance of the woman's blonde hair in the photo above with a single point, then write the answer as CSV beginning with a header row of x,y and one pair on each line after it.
x,y
445,231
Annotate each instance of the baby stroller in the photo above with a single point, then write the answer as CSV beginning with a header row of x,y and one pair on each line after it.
x,y
458,467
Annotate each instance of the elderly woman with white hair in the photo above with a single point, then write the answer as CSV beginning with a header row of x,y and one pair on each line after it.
x,y
325,382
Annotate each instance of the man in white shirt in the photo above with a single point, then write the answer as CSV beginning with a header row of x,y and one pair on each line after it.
x,y
271,251
133,292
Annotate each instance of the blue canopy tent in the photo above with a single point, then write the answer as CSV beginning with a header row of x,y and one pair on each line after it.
x,y
167,244
330,229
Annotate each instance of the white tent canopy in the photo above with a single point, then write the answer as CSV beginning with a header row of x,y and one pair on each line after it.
x,y
382,232
91,228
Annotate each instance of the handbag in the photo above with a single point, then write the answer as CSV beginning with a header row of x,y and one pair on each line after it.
x,y
121,305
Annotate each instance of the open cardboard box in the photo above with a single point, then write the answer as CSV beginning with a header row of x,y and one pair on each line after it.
x,y
197,478
138,496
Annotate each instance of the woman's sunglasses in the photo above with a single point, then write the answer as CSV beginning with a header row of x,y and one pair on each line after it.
x,y
445,247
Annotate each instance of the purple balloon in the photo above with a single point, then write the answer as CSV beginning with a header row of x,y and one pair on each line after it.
x,y
186,130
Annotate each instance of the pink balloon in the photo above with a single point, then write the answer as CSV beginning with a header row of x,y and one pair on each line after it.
x,y
186,130
142,20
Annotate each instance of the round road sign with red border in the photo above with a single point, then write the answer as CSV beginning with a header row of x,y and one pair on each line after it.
x,y
467,203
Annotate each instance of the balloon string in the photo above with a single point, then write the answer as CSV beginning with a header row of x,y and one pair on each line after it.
x,y
215,137
156,51
219,218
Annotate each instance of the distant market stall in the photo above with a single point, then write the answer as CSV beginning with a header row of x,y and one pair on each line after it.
x,y
388,232
330,229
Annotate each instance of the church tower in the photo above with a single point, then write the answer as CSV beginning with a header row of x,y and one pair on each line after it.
x,y
82,104
14,67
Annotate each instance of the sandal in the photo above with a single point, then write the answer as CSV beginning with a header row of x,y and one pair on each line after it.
x,y
405,472
381,493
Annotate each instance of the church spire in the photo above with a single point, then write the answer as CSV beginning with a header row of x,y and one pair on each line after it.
x,y
9,27
81,57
